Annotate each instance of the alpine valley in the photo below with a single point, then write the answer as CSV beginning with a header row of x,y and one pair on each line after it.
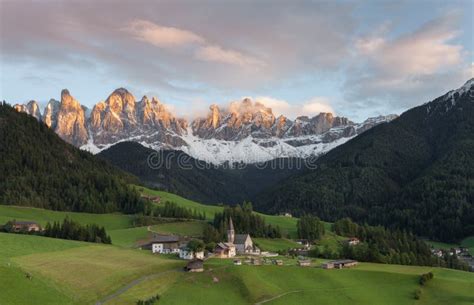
x,y
244,131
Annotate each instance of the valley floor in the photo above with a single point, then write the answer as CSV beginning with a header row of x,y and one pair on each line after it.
x,y
70,272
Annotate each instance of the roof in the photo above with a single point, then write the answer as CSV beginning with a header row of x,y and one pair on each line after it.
x,y
224,245
240,238
343,261
25,223
164,239
195,264
231,224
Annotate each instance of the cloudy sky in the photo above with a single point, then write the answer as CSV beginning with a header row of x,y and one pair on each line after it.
x,y
356,59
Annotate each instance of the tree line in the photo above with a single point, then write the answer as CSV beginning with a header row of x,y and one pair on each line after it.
x,y
244,220
40,170
70,229
173,210
381,245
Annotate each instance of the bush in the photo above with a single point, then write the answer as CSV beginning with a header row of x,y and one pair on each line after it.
x,y
149,301
425,278
417,294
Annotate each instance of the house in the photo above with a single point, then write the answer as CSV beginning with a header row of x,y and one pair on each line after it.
x,y
304,262
224,250
186,253
25,226
163,244
339,264
328,265
237,262
437,252
154,199
305,243
277,262
353,241
286,214
196,265
255,261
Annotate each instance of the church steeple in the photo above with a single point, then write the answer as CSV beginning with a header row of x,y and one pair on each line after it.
x,y
230,232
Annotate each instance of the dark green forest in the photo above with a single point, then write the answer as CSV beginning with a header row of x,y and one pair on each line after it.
x,y
414,173
181,174
380,245
39,169
245,222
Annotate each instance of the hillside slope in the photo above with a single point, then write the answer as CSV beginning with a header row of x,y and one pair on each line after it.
x,y
176,172
39,169
416,173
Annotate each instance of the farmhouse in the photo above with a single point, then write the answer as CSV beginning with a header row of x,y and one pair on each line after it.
x,y
154,199
339,264
224,250
163,244
186,253
28,226
353,241
304,262
196,265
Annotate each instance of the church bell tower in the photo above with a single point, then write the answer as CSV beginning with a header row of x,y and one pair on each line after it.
x,y
230,232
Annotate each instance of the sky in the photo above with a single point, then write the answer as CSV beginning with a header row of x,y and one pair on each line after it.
x,y
355,59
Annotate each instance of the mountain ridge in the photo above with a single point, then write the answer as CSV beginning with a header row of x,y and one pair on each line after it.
x,y
414,173
244,131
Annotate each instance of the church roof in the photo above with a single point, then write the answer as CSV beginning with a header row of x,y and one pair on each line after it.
x,y
240,238
231,224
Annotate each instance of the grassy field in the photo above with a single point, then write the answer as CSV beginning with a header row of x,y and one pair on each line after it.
x,y
286,224
186,228
365,284
274,245
109,221
467,243
73,272
69,272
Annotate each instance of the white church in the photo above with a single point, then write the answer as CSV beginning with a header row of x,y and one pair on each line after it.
x,y
236,244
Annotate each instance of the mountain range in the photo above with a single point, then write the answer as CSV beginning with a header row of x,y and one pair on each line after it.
x,y
244,131
415,173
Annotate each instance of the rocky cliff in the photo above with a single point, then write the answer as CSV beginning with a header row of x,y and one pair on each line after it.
x,y
243,131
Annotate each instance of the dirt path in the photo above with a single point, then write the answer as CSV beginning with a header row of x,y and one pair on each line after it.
x,y
132,284
276,297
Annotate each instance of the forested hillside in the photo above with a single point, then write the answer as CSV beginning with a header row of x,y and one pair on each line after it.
x,y
39,169
414,173
177,172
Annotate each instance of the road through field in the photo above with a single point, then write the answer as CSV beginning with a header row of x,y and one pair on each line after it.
x,y
132,284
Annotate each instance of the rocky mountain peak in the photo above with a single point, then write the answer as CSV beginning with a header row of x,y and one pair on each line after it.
x,y
71,121
50,113
31,108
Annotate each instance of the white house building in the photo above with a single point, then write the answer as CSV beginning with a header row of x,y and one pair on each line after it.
x,y
186,253
163,244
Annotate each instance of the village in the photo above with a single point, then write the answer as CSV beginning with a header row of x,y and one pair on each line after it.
x,y
238,247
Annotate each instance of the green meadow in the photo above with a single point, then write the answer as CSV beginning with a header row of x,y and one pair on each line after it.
x,y
69,272
286,224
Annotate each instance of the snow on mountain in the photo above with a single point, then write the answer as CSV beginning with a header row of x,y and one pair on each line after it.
x,y
245,131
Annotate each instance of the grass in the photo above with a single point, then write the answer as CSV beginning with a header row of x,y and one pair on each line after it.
x,y
69,272
286,224
366,284
467,243
187,228
109,221
73,272
274,245
128,237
